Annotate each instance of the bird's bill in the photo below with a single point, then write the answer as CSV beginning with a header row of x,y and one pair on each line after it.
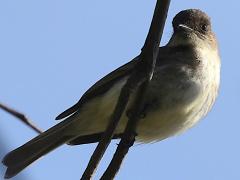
x,y
184,27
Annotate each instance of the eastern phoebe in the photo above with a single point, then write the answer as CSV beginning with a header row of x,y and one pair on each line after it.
x,y
183,89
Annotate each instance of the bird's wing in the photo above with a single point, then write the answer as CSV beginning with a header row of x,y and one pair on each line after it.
x,y
106,82
101,87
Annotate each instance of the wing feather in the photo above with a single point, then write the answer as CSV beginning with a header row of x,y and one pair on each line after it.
x,y
100,87
104,84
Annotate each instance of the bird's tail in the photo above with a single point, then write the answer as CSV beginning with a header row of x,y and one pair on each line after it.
x,y
23,156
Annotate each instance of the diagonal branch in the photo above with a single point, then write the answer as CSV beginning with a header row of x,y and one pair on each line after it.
x,y
21,117
108,134
149,55
140,78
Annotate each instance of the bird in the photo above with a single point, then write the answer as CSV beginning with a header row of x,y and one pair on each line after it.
x,y
183,89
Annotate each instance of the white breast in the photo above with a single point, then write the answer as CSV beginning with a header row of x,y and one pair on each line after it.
x,y
165,123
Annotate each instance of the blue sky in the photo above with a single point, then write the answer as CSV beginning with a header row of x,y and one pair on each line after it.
x,y
52,51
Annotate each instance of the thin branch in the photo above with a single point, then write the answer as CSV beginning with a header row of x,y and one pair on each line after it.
x,y
21,117
149,55
108,134
140,79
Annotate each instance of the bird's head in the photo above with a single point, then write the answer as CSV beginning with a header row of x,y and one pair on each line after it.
x,y
192,27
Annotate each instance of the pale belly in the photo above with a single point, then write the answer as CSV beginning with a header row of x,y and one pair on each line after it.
x,y
158,124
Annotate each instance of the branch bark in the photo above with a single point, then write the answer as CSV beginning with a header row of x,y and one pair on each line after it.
x,y
148,55
140,78
21,117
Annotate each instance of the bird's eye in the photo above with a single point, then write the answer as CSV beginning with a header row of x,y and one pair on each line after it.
x,y
204,27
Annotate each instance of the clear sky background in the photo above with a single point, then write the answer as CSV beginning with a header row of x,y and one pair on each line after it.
x,y
52,51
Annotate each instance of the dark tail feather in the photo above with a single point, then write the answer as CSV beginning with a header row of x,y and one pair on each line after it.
x,y
87,139
23,156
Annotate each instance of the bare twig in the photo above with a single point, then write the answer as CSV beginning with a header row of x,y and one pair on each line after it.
x,y
21,117
108,134
149,55
140,77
